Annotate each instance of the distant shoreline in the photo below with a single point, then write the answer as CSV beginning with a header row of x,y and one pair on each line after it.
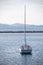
x,y
21,31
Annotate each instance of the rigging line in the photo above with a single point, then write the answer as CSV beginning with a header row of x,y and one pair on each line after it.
x,y
25,24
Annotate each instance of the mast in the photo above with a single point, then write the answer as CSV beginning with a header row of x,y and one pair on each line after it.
x,y
25,24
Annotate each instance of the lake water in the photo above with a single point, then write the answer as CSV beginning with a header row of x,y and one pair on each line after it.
x,y
9,49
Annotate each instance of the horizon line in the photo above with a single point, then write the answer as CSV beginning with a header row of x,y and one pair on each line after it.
x,y
20,23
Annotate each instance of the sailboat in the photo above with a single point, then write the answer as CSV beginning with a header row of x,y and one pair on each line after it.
x,y
25,49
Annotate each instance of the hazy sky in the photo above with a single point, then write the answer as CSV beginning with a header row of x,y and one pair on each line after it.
x,y
12,11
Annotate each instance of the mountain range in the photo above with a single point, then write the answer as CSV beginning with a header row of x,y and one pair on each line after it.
x,y
20,27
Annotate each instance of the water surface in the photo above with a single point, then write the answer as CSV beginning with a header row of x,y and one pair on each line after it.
x,y
9,49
